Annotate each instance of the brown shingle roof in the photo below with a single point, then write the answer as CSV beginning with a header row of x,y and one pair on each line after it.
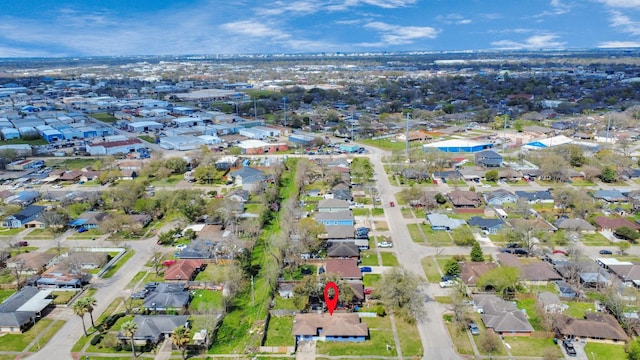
x,y
612,223
595,325
182,269
345,268
338,324
472,271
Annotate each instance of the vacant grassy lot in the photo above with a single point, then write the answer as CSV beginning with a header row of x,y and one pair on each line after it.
x,y
531,308
212,299
279,331
376,345
578,309
389,259
105,117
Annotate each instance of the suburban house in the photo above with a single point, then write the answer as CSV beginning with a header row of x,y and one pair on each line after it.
x,y
238,195
151,329
22,309
610,224
335,218
532,272
499,197
183,270
533,197
24,216
332,205
502,317
488,158
343,250
596,327
347,269
168,297
609,196
285,289
575,224
471,271
88,220
338,233
53,278
248,178
491,226
551,303
343,327
197,249
464,199
444,222
30,263
537,224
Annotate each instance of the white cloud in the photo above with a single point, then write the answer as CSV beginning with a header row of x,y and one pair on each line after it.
x,y
621,3
253,29
624,23
618,44
453,19
556,7
531,43
399,35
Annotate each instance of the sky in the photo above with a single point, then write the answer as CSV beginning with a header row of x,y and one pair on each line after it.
x,y
74,28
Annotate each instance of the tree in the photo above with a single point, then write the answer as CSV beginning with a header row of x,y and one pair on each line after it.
x,y
492,175
452,268
623,246
400,290
129,329
440,199
489,342
608,175
634,350
80,309
54,221
627,233
476,253
463,236
180,338
504,280
90,303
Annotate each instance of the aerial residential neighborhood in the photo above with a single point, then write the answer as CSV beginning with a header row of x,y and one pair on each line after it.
x,y
462,211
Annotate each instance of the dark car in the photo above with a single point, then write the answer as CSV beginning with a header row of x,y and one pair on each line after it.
x,y
150,286
306,271
606,252
447,278
139,294
365,269
568,347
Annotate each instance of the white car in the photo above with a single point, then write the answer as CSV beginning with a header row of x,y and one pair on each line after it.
x,y
181,247
56,186
385,244
448,283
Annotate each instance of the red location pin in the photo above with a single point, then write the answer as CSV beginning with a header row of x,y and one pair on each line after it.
x,y
331,302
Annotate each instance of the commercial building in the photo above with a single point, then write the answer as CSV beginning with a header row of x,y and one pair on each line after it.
x,y
142,126
458,146
115,147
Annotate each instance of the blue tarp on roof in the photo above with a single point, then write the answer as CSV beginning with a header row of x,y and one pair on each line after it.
x,y
77,222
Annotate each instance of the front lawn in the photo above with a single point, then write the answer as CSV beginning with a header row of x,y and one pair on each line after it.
x,y
532,347
376,345
459,338
369,258
5,294
18,342
415,233
431,270
371,279
605,351
436,238
109,273
360,212
595,239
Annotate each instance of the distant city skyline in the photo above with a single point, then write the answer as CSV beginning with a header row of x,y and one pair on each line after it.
x,y
68,28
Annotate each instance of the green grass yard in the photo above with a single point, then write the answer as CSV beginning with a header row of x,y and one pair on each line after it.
x,y
279,331
431,270
389,259
605,351
532,347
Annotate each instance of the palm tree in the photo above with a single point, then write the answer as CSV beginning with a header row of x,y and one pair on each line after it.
x,y
129,329
80,309
180,338
90,303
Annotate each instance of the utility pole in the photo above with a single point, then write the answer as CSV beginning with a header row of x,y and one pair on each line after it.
x,y
284,102
608,128
407,136
504,136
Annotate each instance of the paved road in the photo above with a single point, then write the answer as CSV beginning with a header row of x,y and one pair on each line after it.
x,y
59,347
436,342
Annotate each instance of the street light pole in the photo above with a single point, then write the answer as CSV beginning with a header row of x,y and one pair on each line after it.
x,y
284,102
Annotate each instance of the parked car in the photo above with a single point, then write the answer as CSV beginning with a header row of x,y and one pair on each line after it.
x,y
385,244
365,269
448,278
392,204
368,291
151,286
181,247
19,244
81,230
139,294
474,328
606,252
568,347
168,262
447,284
560,252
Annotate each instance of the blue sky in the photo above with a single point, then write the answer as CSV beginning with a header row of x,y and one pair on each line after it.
x,y
34,28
